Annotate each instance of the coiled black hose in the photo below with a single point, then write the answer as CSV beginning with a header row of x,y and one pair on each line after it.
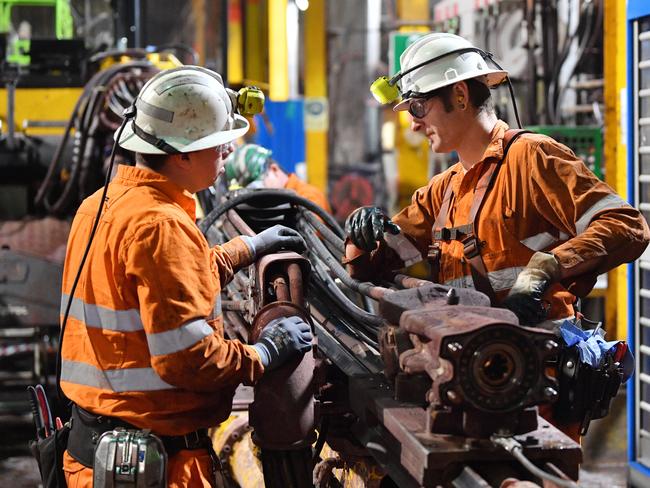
x,y
288,196
83,114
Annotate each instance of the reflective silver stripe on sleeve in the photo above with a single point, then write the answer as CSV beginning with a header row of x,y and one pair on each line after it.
x,y
539,241
178,339
117,380
502,279
217,310
101,317
607,202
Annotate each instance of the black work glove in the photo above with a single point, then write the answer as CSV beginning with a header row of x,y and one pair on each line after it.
x,y
281,339
275,238
525,297
366,225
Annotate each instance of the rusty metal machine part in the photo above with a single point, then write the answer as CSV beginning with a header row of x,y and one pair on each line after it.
x,y
282,413
368,404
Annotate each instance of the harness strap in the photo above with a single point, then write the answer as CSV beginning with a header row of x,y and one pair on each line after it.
x,y
467,233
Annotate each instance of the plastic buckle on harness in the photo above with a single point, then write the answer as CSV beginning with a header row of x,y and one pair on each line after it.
x,y
434,251
471,246
191,440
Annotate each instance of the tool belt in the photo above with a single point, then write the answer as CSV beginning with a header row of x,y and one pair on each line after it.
x,y
88,427
466,233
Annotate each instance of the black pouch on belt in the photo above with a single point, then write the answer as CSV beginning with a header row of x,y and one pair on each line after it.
x,y
85,432
49,455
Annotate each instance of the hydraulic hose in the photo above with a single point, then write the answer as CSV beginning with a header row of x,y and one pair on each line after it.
x,y
285,195
363,287
83,113
325,231
348,305
515,449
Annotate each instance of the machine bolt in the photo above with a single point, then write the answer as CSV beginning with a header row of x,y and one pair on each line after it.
x,y
454,347
550,393
550,345
452,396
452,297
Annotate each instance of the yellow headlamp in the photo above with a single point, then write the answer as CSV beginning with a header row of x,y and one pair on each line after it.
x,y
385,90
250,101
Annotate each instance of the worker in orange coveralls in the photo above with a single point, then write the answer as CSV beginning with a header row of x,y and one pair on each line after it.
x,y
533,238
144,345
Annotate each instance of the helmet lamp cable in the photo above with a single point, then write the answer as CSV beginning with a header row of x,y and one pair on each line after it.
x,y
129,114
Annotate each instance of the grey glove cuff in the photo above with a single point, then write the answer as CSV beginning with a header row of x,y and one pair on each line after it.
x,y
265,357
251,245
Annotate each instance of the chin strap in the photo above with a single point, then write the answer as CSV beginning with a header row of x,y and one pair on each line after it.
x,y
153,140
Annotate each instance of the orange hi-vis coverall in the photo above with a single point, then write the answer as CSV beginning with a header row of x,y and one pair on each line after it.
x,y
543,199
144,340
310,192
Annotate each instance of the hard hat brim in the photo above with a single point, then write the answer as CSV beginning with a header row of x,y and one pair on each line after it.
x,y
491,79
130,141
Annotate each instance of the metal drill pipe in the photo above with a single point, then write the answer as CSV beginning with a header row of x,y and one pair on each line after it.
x,y
239,223
281,288
409,282
295,284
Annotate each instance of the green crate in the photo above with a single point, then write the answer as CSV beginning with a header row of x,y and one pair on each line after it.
x,y
585,141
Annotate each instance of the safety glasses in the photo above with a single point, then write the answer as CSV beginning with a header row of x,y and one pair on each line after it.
x,y
419,108
224,150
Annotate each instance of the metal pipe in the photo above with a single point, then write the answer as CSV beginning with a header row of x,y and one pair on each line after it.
x,y
235,305
11,113
281,289
409,282
241,226
531,99
295,284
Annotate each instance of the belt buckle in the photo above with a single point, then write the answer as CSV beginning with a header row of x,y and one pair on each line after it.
x,y
191,440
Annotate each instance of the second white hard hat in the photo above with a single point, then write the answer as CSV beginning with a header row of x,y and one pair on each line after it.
x,y
182,110
445,59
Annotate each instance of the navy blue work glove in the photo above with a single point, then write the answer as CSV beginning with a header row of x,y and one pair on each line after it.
x,y
281,339
366,225
275,238
525,297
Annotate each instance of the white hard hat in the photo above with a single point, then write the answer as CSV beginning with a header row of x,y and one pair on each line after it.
x,y
440,59
182,110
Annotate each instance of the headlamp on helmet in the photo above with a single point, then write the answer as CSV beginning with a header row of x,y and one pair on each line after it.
x,y
386,90
248,101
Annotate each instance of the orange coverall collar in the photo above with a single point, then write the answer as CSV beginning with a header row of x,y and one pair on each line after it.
x,y
132,176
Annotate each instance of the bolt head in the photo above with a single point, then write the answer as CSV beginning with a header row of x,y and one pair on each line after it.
x,y
550,393
550,345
